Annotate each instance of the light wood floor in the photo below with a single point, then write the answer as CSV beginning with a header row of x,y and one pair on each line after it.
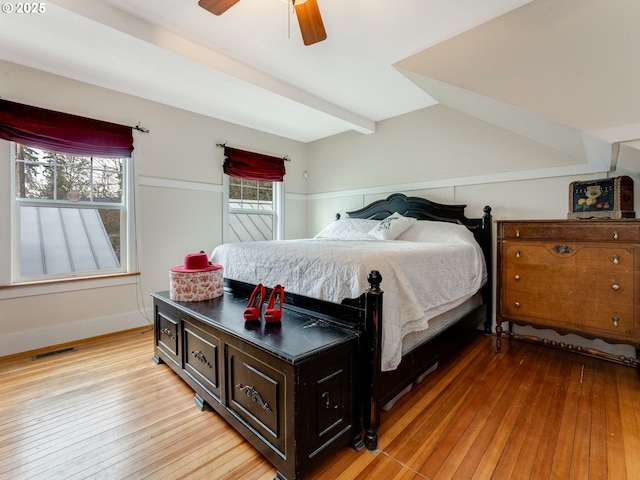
x,y
106,411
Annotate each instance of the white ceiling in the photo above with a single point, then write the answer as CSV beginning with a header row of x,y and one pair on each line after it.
x,y
561,72
249,65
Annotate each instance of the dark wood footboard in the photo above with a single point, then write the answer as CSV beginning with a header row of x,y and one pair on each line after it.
x,y
371,361
380,387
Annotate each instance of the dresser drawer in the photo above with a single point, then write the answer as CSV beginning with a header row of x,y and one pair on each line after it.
x,y
614,320
583,257
574,230
202,358
570,285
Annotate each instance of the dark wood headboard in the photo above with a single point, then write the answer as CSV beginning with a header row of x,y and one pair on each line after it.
x,y
416,207
424,209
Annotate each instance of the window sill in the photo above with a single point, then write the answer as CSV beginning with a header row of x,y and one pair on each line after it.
x,y
29,289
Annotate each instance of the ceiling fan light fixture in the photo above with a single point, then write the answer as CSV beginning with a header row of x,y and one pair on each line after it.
x,y
217,7
307,12
310,21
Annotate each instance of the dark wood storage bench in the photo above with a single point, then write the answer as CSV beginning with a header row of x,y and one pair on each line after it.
x,y
288,388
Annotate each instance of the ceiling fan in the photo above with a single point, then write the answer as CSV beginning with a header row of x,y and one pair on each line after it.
x,y
307,11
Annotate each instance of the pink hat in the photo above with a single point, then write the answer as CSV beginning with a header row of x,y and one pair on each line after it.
x,y
196,262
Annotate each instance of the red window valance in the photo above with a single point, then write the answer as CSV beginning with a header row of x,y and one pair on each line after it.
x,y
63,132
253,166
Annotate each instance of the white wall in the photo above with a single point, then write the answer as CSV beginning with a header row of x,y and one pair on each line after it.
x,y
179,204
449,157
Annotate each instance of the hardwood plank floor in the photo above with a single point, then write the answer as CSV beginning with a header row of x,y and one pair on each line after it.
x,y
107,411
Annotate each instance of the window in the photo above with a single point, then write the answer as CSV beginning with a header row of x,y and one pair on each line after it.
x,y
253,182
70,214
253,210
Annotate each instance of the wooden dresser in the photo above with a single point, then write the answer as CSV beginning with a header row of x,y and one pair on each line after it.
x,y
287,387
572,276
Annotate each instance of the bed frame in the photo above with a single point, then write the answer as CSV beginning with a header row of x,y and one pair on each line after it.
x,y
364,314
385,386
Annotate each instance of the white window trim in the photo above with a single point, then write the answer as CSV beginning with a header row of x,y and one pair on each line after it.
x,y
30,289
278,210
278,203
128,258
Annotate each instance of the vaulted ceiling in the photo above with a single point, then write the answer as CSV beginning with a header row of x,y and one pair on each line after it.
x,y
563,72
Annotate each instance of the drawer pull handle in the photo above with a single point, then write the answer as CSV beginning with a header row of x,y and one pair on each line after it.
x,y
615,321
615,286
254,395
518,253
563,249
198,355
516,304
517,233
615,235
616,259
327,399
168,333
516,277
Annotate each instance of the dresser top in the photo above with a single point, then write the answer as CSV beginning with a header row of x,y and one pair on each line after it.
x,y
598,230
295,338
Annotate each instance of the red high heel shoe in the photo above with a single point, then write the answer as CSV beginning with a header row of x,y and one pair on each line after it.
x,y
254,307
273,312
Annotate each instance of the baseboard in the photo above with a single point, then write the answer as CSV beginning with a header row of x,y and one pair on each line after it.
x,y
62,334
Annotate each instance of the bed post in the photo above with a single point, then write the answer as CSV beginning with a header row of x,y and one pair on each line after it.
x,y
487,246
373,346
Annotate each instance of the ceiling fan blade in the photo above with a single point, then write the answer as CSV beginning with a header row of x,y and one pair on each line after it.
x,y
310,21
217,7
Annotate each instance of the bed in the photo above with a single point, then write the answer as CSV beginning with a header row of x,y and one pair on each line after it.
x,y
432,262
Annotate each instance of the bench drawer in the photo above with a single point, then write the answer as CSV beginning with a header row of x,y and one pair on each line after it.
x,y
202,358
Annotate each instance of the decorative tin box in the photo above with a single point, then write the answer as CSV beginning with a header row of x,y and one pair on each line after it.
x,y
603,198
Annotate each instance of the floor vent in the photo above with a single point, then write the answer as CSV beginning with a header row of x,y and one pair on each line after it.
x,y
54,352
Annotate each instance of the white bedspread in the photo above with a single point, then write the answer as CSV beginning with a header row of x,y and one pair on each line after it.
x,y
419,280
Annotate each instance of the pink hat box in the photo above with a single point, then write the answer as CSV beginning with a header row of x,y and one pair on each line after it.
x,y
196,280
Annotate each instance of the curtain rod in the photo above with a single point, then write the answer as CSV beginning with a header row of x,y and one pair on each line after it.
x,y
137,127
223,145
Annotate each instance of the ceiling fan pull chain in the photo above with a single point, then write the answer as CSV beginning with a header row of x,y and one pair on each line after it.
x,y
289,8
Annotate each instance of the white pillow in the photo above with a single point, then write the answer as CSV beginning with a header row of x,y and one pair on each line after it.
x,y
348,229
391,227
431,231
